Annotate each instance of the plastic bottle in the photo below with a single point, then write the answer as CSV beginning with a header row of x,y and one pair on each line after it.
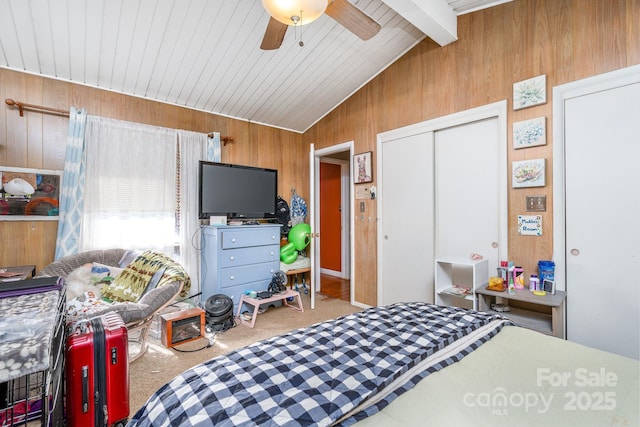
x,y
534,283
518,277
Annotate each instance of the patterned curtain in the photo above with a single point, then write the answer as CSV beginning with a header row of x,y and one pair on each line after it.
x,y
71,193
214,152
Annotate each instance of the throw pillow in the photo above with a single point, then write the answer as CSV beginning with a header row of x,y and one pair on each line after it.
x,y
132,282
101,273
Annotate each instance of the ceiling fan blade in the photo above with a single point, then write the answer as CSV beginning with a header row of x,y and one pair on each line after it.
x,y
274,35
353,19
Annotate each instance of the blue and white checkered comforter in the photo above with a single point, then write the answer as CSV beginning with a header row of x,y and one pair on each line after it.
x,y
335,372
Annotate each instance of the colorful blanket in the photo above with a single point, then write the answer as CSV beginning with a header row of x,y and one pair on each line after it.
x,y
339,371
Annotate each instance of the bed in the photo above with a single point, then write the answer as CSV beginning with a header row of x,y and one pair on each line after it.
x,y
403,364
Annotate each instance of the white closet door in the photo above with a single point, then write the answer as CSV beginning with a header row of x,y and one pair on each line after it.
x,y
468,214
602,153
405,179
467,183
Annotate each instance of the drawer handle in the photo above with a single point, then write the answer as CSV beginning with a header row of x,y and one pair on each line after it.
x,y
233,240
232,278
271,253
273,237
232,258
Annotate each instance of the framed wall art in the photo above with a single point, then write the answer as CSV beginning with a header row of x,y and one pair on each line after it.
x,y
362,168
29,194
528,93
529,133
528,173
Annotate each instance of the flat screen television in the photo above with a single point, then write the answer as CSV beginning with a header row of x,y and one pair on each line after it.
x,y
236,191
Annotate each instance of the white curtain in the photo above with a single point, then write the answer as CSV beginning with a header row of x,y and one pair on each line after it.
x,y
130,187
142,189
193,147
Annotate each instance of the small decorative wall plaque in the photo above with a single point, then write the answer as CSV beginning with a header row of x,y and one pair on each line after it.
x,y
530,225
529,133
528,173
528,93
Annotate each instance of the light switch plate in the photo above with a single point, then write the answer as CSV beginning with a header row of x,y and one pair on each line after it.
x,y
536,203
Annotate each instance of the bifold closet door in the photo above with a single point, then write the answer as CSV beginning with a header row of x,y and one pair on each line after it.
x,y
602,201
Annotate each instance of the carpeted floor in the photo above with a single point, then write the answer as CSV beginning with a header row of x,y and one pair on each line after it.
x,y
159,364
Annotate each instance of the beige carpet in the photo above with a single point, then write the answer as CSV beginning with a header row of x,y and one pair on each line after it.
x,y
159,365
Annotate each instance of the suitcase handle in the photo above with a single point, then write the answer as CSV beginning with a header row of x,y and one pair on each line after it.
x,y
85,389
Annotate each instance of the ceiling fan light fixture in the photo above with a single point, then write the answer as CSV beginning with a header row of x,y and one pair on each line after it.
x,y
295,12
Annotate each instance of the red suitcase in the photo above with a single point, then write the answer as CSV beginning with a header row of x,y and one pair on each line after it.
x,y
97,368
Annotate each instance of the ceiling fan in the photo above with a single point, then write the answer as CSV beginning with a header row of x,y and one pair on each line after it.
x,y
301,12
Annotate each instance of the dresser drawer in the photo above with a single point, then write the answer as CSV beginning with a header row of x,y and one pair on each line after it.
x,y
250,237
244,256
234,276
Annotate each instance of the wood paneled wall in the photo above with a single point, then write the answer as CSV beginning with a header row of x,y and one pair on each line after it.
x,y
566,40
38,141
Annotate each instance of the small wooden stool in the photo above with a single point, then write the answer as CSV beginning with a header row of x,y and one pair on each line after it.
x,y
256,303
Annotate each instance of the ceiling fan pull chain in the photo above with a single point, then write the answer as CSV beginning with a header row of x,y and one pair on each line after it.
x,y
298,20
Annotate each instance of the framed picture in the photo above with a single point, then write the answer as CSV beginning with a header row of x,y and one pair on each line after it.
x,y
528,93
529,133
362,168
29,194
528,173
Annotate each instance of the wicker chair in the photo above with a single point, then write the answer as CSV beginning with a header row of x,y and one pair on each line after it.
x,y
137,317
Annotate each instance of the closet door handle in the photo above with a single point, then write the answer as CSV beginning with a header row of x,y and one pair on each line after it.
x,y
574,252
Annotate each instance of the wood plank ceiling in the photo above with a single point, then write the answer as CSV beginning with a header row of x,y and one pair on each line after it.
x,y
204,54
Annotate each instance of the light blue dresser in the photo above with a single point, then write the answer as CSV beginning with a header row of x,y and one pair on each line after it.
x,y
240,258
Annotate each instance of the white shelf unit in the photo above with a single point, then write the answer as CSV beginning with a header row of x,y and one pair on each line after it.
x,y
463,272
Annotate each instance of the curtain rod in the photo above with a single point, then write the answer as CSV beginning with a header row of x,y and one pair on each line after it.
x,y
224,139
24,106
39,108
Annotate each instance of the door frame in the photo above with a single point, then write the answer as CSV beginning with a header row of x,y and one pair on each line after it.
x,y
561,93
315,178
496,110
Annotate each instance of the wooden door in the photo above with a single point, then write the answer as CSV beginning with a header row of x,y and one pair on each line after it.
x,y
330,218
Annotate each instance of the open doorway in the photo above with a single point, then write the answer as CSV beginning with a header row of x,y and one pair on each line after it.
x,y
333,215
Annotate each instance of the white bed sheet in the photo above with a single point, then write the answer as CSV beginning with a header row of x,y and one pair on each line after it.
x,y
523,378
